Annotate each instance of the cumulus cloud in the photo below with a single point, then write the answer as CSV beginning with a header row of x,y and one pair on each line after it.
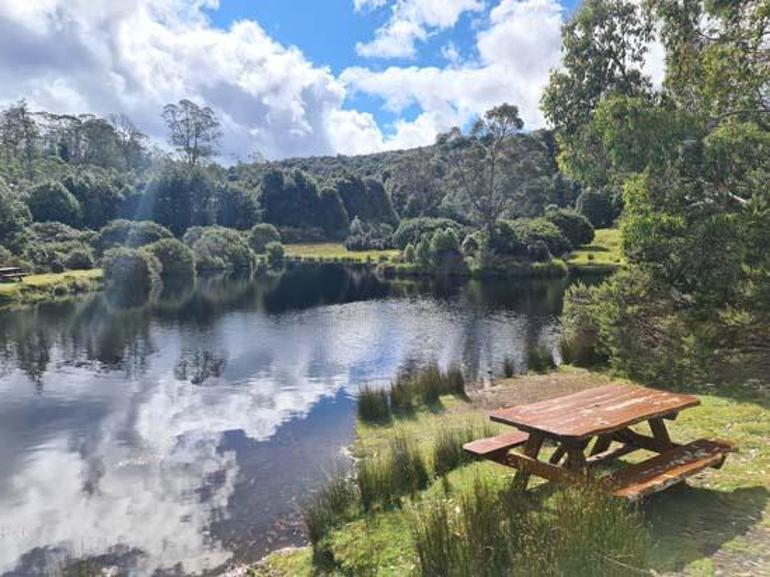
x,y
103,56
516,51
412,21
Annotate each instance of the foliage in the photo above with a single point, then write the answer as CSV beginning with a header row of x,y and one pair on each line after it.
x,y
100,198
576,228
369,236
411,230
540,358
236,206
275,254
261,235
596,207
366,199
220,249
51,201
193,129
132,234
532,231
132,274
181,196
330,506
14,219
79,259
176,258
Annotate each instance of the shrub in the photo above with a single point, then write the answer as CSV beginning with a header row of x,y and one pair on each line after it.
x,y
409,253
57,232
597,207
275,254
422,252
131,274
411,230
129,233
14,220
540,359
574,226
261,235
373,405
471,244
79,259
539,229
175,257
221,249
506,239
5,255
51,201
509,368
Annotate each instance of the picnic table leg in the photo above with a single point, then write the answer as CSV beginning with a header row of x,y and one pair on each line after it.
x,y
531,449
660,433
576,459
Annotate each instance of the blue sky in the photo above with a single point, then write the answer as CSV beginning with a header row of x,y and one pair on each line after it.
x,y
286,77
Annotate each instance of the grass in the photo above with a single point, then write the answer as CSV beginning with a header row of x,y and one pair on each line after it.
x,y
540,359
39,287
336,252
604,254
373,405
719,524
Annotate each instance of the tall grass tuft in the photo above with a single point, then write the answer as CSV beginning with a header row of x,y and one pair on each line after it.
x,y
509,368
330,506
540,359
401,395
580,532
400,471
373,405
448,453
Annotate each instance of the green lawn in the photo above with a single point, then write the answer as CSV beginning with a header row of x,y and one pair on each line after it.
x,y
38,287
602,254
718,524
336,251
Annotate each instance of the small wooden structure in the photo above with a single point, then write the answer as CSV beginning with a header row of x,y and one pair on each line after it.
x,y
593,427
11,273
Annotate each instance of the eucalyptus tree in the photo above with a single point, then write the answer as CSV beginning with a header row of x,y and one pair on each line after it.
x,y
193,130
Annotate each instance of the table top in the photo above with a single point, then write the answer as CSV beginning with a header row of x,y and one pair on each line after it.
x,y
594,411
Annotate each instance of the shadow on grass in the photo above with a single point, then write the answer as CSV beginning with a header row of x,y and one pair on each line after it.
x,y
688,523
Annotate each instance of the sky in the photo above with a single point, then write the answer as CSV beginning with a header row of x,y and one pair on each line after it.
x,y
286,78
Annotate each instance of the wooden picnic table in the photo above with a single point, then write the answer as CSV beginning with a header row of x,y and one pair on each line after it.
x,y
584,427
11,273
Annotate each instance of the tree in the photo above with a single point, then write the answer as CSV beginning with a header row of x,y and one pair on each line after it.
x,y
332,216
176,258
576,227
18,132
235,206
418,187
51,201
596,207
130,140
485,165
603,50
182,196
14,219
261,235
99,197
194,130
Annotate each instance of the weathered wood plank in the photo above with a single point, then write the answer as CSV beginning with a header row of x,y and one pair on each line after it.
x,y
594,411
484,447
530,466
531,450
667,469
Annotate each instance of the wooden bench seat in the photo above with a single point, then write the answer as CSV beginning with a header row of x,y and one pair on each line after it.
x,y
495,445
669,468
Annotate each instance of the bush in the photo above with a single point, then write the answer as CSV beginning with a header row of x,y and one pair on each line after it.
x,y
131,274
57,232
275,254
130,234
221,249
51,201
444,247
14,220
373,405
175,257
411,230
506,240
261,235
409,253
574,226
530,231
79,259
597,207
580,338
540,359
369,236
5,255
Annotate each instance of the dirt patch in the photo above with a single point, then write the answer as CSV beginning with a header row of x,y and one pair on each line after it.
x,y
534,388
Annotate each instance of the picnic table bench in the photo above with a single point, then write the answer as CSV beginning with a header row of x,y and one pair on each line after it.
x,y
11,273
604,416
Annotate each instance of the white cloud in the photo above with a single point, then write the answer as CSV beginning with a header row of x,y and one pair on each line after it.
x,y
412,21
516,52
102,56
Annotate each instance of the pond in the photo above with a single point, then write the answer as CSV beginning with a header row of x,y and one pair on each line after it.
x,y
178,437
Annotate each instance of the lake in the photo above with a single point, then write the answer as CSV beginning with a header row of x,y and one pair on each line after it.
x,y
178,437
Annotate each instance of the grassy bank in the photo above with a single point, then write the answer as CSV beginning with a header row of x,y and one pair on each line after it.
x,y
331,252
603,255
718,524
43,287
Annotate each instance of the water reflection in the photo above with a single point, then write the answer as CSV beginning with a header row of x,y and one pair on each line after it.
x,y
178,435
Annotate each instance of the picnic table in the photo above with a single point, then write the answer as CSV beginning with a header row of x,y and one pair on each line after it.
x,y
10,273
593,427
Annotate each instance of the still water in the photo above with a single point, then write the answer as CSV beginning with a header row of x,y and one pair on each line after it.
x,y
177,438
